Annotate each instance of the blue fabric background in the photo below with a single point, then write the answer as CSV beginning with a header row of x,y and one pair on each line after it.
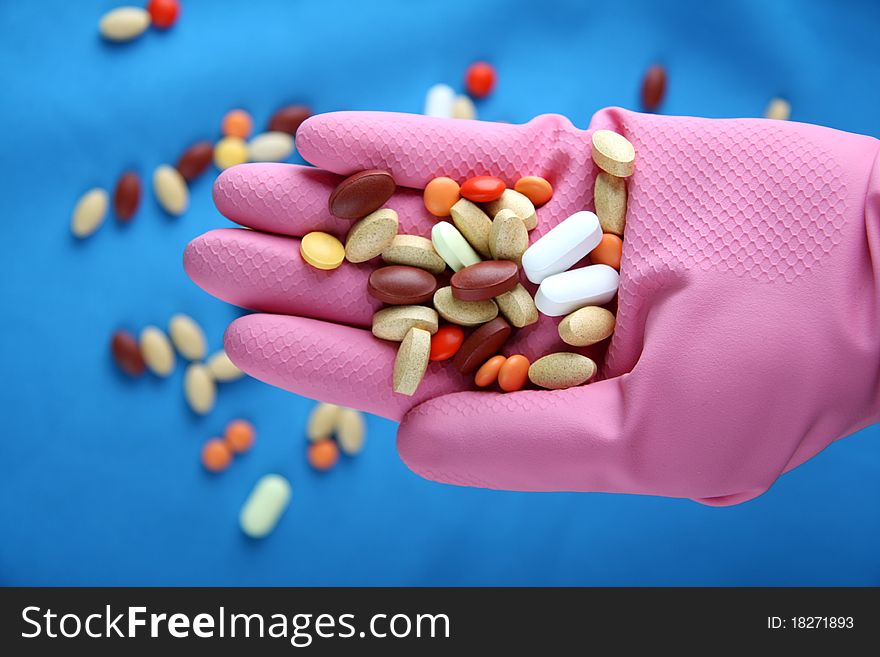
x,y
100,481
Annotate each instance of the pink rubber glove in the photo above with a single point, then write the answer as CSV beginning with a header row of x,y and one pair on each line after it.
x,y
747,329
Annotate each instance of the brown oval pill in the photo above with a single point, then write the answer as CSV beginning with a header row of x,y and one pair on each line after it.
x,y
195,160
127,353
289,118
400,285
484,280
481,345
653,87
127,196
361,193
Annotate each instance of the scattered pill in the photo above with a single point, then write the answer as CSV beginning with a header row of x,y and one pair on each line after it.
x,y
508,237
562,246
322,421
778,109
439,101
288,119
463,108
561,370
322,250
609,197
608,252
170,190
195,160
514,373
240,436
322,454
488,372
463,313
237,123
563,293
127,196
199,388
89,212
517,306
534,188
613,153
216,455
350,431
163,12
411,361
653,87
270,147
361,193
473,224
400,285
222,369
157,351
370,236
229,152
480,345
414,251
440,195
483,189
188,337
479,80
446,342
485,280
394,323
264,506
452,246
519,203
587,326
124,23
127,353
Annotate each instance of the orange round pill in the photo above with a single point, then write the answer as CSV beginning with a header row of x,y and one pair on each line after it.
x,y
608,252
479,79
514,373
323,454
216,456
240,435
535,188
488,372
440,195
237,123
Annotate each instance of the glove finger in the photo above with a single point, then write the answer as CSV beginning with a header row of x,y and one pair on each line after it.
x,y
266,273
333,363
294,200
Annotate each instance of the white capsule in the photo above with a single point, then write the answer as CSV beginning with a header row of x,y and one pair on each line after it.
x,y
124,23
439,101
264,506
562,246
270,147
564,293
157,351
187,336
170,190
452,246
199,388
222,369
89,213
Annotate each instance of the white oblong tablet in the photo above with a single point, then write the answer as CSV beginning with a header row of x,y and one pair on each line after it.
x,y
562,246
452,246
564,293
264,506
439,101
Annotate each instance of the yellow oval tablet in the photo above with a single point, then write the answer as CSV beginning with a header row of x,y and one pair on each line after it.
x,y
321,250
230,151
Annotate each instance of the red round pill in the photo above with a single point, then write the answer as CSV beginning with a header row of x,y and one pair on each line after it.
x,y
163,13
446,342
483,189
479,79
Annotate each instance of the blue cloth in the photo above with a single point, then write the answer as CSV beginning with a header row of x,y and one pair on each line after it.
x,y
100,475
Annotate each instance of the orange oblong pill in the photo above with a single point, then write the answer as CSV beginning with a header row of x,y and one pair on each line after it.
x,y
608,252
488,372
514,373
534,188
440,195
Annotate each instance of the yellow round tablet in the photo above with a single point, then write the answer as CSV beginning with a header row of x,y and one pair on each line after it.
x,y
321,250
230,151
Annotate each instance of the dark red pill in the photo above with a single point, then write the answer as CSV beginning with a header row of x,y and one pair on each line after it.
x,y
127,196
127,353
653,87
195,160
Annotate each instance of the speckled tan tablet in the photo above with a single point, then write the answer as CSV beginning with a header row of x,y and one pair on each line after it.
x,y
778,109
609,195
393,323
518,307
370,236
464,313
561,370
519,203
587,326
473,224
613,153
414,251
411,361
508,238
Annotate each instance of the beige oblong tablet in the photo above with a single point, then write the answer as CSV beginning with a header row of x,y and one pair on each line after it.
x,y
778,109
199,388
156,350
414,251
463,313
124,23
370,236
322,421
188,337
463,108
508,237
350,431
561,370
473,224
613,153
89,212
587,326
264,506
170,190
609,196
411,361
222,369
395,322
518,306
522,207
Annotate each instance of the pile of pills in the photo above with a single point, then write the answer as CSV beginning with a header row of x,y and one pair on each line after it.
x,y
128,23
442,100
238,438
154,350
327,421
